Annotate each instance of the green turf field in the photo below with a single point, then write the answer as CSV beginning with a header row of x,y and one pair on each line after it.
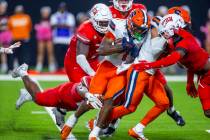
x,y
23,125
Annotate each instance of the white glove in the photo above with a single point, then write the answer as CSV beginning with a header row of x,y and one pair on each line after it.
x,y
93,100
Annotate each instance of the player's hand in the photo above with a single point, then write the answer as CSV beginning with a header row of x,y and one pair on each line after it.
x,y
15,45
9,50
93,100
191,90
141,66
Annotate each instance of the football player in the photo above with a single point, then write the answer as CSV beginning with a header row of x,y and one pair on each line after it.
x,y
68,95
81,58
121,10
188,52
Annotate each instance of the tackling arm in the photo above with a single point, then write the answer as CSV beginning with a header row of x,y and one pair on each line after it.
x,y
164,62
82,52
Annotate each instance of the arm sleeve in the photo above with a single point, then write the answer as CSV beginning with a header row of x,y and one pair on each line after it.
x,y
167,61
84,64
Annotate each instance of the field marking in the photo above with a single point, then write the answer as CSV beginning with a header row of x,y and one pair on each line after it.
x,y
208,131
39,112
174,78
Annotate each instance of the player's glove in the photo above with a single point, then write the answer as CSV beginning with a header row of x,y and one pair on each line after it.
x,y
93,100
142,65
127,45
191,90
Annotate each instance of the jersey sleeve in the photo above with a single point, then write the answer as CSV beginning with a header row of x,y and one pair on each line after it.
x,y
183,45
84,34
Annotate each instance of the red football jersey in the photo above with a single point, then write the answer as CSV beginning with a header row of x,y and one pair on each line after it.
x,y
195,57
88,35
117,14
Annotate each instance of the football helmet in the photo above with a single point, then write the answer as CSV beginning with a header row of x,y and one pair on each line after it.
x,y
169,24
100,16
123,5
182,12
138,23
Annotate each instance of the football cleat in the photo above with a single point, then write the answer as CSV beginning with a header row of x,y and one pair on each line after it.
x,y
111,129
109,132
24,97
59,116
20,71
175,115
66,130
137,135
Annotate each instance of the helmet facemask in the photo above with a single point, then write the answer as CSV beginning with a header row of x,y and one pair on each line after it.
x,y
123,5
100,16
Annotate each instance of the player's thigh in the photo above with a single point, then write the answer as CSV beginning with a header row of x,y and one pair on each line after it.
x,y
157,93
67,100
48,97
136,84
116,87
99,82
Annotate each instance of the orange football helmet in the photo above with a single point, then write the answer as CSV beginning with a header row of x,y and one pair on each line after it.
x,y
138,23
182,12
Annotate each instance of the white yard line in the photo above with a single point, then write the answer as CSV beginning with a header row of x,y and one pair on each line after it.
x,y
38,112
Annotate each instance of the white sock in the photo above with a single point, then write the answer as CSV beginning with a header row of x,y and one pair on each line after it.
x,y
171,109
95,132
139,127
72,120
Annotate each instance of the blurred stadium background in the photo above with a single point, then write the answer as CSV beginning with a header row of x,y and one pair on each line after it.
x,y
199,11
25,124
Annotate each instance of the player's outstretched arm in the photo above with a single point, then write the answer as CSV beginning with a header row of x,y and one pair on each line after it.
x,y
164,62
